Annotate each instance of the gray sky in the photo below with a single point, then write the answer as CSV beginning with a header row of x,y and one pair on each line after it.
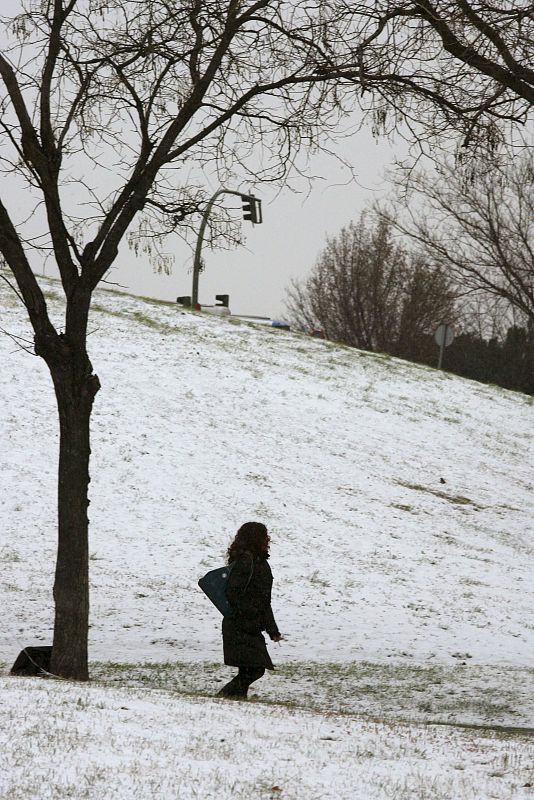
x,y
285,246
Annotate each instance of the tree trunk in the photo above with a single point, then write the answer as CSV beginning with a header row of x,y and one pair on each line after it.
x,y
75,386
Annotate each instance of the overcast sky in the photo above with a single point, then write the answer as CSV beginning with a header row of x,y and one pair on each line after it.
x,y
285,246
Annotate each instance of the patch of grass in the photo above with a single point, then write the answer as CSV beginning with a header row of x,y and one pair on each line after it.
x,y
9,555
472,582
138,316
52,295
402,507
457,499
488,698
316,580
135,316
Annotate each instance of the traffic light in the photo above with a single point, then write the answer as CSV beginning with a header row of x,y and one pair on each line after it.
x,y
252,208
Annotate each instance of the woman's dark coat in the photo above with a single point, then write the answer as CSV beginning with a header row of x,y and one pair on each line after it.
x,y
249,592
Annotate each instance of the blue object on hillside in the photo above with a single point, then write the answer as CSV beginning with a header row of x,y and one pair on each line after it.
x,y
278,323
213,584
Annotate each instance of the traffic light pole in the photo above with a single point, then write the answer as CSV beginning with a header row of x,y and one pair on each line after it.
x,y
197,261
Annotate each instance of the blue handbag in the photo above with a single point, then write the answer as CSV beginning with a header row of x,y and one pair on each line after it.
x,y
213,584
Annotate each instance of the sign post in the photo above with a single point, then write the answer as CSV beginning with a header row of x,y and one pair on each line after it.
x,y
443,337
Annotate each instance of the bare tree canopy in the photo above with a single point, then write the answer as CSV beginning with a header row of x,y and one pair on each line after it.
x,y
448,65
369,292
479,225
483,52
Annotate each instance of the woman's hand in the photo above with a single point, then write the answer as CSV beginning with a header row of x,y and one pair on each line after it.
x,y
277,637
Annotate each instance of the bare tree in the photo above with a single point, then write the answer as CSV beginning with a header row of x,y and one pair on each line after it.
x,y
369,292
447,65
479,225
106,104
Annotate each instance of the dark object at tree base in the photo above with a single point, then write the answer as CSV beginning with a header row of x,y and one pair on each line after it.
x,y
32,661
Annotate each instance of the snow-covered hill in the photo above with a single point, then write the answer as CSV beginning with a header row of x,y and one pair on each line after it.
x,y
400,499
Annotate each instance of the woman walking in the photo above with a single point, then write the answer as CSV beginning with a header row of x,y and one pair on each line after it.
x,y
248,591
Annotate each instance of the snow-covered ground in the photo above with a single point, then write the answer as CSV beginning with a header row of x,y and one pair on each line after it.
x,y
399,500
101,744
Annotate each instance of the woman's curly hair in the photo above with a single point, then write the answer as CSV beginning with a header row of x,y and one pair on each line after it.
x,y
252,537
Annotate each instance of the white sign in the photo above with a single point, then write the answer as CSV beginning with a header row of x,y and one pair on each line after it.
x,y
444,335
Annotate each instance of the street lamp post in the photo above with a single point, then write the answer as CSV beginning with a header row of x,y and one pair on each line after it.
x,y
252,206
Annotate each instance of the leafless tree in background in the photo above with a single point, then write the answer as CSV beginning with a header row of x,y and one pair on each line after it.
x,y
106,106
479,226
370,292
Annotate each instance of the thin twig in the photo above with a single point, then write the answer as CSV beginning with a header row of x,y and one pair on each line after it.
x,y
111,283
20,346
14,289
